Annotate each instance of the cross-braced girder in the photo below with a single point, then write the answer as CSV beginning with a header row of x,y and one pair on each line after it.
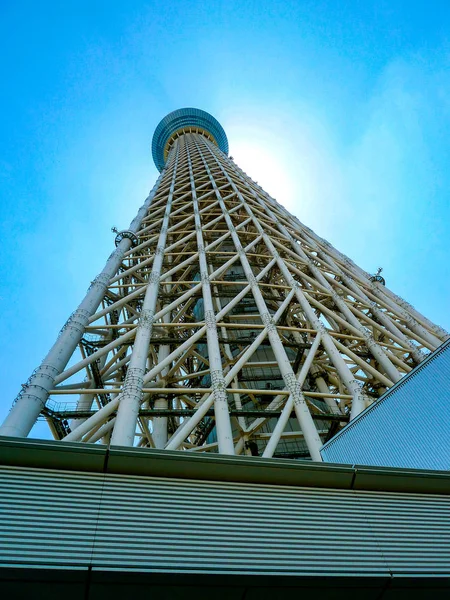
x,y
221,324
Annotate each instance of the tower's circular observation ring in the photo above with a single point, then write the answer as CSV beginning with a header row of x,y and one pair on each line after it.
x,y
180,121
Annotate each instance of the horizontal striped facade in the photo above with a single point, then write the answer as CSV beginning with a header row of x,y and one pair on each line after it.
x,y
109,522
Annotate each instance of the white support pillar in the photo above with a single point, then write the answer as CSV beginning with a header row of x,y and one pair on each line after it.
x,y
130,398
221,414
184,430
290,404
159,434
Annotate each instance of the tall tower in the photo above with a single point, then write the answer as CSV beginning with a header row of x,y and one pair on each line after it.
x,y
220,322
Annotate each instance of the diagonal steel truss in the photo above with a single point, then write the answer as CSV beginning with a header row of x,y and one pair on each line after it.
x,y
221,323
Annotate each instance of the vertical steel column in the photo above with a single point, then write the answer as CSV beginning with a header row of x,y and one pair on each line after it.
x,y
222,416
130,398
229,356
187,426
160,435
286,412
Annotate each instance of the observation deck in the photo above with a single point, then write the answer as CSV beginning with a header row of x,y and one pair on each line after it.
x,y
185,120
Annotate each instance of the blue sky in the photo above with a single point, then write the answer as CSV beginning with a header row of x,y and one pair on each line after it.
x,y
340,109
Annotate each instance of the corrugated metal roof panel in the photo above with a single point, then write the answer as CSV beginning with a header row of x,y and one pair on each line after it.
x,y
408,427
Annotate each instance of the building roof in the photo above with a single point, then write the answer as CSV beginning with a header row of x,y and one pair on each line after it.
x,y
408,427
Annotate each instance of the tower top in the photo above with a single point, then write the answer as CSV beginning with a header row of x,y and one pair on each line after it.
x,y
178,122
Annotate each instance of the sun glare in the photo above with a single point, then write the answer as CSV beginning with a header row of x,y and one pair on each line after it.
x,y
291,159
259,160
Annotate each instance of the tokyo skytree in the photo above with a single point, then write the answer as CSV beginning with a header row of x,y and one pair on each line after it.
x,y
220,323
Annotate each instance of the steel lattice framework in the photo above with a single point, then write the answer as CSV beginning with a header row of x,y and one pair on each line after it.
x,y
221,323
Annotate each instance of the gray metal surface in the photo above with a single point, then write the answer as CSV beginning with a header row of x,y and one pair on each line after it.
x,y
120,522
408,427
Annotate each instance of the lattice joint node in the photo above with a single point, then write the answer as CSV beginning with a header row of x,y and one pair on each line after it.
x,y
134,382
356,386
321,327
147,318
154,277
252,281
268,322
210,319
219,386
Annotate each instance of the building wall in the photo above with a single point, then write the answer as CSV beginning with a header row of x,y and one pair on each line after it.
x,y
408,427
109,522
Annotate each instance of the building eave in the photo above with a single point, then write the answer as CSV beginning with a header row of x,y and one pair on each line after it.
x,y
43,454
